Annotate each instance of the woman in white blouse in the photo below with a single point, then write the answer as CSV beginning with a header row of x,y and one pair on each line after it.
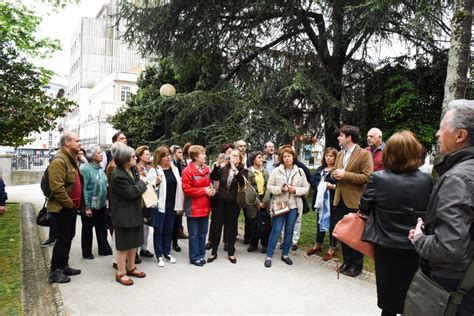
x,y
170,196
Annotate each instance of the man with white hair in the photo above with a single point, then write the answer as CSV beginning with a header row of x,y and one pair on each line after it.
x,y
376,145
445,241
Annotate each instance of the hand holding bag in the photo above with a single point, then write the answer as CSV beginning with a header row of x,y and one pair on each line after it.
x,y
349,230
149,197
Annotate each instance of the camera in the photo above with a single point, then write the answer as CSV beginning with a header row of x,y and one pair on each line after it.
x,y
226,157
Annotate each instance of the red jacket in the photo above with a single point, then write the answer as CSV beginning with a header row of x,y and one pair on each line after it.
x,y
196,201
377,156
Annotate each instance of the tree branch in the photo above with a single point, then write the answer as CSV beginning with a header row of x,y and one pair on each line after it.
x,y
254,55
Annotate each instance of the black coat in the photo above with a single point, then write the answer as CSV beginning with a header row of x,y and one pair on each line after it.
x,y
394,202
126,199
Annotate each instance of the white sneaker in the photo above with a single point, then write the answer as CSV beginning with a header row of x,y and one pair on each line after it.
x,y
170,258
161,262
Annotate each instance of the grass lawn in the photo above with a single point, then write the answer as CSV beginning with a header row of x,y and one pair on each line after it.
x,y
10,263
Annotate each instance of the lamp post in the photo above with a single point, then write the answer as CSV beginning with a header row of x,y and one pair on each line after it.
x,y
167,90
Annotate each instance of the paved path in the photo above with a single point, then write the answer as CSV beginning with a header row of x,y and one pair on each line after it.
x,y
307,287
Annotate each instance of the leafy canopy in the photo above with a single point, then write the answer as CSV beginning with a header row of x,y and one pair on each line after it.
x,y
24,107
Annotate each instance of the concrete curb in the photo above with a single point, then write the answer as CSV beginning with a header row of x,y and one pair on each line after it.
x,y
38,296
331,265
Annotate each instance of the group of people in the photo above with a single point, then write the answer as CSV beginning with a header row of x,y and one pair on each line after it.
x,y
407,218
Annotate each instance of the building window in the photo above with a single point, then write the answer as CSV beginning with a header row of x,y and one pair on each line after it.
x,y
125,94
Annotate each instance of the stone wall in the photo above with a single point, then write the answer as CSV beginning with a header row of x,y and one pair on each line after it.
x,y
20,177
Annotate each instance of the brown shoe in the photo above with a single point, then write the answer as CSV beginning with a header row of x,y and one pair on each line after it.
x,y
181,234
135,273
118,278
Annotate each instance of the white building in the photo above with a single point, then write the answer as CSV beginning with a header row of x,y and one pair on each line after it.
x,y
97,55
104,100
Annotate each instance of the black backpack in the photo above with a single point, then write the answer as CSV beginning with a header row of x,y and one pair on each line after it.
x,y
45,179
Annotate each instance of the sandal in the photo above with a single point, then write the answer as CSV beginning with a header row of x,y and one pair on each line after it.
x,y
135,273
118,278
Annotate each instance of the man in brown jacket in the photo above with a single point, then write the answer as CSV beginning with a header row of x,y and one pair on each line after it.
x,y
65,202
353,168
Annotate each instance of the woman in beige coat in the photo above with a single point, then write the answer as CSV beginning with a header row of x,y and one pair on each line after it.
x,y
288,185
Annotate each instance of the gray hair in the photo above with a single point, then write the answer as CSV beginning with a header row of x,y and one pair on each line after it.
x,y
115,147
90,151
462,117
123,154
174,148
65,136
240,141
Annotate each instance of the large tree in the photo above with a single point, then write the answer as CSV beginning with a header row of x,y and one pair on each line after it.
x,y
459,53
24,107
314,41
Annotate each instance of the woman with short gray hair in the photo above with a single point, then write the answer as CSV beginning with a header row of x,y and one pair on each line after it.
x,y
95,195
127,218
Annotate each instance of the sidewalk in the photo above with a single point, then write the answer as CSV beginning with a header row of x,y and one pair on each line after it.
x,y
247,287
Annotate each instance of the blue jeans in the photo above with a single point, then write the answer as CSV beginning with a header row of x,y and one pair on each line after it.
x,y
163,233
289,220
197,231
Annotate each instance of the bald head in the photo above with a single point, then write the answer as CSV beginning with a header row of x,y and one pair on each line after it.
x,y
374,137
70,142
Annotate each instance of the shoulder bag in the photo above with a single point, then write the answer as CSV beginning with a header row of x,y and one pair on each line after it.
x,y
43,219
279,208
149,197
349,230
247,198
426,297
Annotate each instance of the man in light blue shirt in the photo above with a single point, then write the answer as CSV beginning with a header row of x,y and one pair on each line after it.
x,y
270,160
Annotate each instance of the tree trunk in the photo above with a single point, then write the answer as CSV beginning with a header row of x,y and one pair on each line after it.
x,y
458,60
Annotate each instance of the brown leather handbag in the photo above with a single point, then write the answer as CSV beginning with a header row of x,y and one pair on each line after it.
x,y
349,230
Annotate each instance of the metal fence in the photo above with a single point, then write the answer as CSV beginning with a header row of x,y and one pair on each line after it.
x,y
29,162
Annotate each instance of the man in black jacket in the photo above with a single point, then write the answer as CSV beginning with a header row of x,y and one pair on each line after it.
x,y
446,240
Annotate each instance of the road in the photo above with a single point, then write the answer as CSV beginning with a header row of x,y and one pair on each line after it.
x,y
308,287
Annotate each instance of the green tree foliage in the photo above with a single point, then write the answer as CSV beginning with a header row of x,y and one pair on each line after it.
x,y
398,97
24,107
209,117
307,49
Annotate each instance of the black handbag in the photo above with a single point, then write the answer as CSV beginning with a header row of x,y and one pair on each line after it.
x,y
43,219
426,297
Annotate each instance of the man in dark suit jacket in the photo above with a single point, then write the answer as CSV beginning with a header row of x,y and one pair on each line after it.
x,y
353,168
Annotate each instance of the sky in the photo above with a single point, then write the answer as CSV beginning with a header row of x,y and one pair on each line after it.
x,y
61,25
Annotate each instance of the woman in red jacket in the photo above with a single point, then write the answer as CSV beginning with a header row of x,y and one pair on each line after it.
x,y
197,192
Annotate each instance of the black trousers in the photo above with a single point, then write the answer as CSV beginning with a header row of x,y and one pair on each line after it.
x,y
178,225
226,213
248,225
99,221
332,223
65,222
260,228
352,258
